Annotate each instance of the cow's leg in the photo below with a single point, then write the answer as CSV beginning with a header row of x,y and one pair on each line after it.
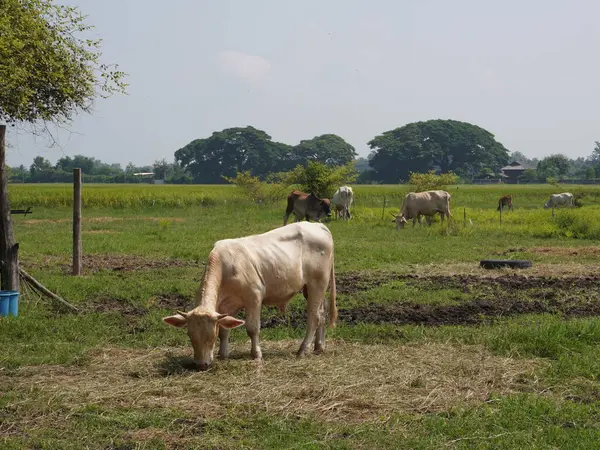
x,y
223,343
253,325
316,295
320,334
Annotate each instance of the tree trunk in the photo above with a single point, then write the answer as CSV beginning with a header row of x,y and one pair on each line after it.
x,y
9,249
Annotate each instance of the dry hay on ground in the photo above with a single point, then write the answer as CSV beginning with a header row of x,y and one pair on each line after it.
x,y
350,382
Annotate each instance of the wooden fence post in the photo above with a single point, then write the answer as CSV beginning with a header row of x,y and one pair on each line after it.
x,y
77,221
383,211
465,216
9,249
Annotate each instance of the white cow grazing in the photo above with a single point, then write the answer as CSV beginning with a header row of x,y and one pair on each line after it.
x,y
556,200
427,204
263,269
342,200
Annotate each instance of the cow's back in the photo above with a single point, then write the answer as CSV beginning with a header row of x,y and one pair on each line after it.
x,y
279,262
425,203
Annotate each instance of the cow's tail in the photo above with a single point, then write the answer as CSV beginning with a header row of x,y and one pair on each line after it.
x,y
333,312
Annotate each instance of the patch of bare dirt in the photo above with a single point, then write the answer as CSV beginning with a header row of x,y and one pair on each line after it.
x,y
117,305
567,251
128,263
92,263
172,301
556,251
103,219
350,382
489,298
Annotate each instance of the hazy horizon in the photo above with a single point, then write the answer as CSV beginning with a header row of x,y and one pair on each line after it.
x,y
523,71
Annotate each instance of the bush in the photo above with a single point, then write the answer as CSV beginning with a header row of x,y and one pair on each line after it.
x,y
430,181
272,190
323,180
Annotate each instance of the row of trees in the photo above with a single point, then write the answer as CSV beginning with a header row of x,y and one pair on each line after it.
x,y
439,145
95,171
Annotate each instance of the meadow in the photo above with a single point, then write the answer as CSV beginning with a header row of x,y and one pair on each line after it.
x,y
430,350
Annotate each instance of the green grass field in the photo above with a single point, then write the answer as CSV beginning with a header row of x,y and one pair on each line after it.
x,y
430,350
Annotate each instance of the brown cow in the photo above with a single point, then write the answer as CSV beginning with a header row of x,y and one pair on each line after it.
x,y
306,206
505,201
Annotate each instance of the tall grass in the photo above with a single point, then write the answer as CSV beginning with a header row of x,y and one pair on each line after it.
x,y
478,203
144,195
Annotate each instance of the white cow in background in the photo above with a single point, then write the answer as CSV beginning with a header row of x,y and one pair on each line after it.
x,y
428,204
556,200
342,200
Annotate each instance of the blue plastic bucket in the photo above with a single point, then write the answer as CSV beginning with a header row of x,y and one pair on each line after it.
x,y
9,303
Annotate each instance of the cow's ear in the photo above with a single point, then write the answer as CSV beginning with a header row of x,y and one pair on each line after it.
x,y
177,320
230,322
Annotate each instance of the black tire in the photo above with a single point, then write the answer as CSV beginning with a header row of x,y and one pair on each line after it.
x,y
499,263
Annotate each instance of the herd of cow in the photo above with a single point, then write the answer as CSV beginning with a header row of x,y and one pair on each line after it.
x,y
270,268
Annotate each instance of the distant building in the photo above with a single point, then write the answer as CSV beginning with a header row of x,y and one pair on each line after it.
x,y
512,172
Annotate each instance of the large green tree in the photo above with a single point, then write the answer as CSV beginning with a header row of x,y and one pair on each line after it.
x,y
234,150
445,145
49,68
329,149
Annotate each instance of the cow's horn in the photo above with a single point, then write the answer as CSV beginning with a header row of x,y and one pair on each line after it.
x,y
181,313
393,215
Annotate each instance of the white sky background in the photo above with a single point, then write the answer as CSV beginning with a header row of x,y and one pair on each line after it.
x,y
527,71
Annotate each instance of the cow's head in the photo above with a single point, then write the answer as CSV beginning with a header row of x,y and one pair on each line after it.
x,y
323,206
203,329
547,204
399,219
326,207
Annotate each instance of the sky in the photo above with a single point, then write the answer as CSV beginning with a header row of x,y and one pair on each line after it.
x,y
527,71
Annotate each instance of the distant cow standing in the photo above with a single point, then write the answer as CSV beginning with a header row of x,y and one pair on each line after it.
x,y
426,204
556,200
505,201
306,206
342,200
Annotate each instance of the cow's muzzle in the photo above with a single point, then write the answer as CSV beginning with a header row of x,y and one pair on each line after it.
x,y
202,366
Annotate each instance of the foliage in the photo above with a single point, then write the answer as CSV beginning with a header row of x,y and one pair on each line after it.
x,y
430,181
590,173
361,164
316,177
323,180
443,144
48,70
553,166
261,191
236,150
528,176
521,158
329,149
